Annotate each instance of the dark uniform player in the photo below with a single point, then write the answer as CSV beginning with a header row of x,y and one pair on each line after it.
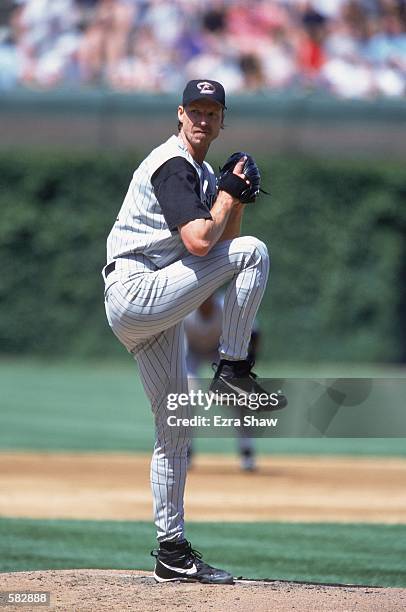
x,y
203,330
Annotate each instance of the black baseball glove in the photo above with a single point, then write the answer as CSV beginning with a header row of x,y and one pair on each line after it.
x,y
236,186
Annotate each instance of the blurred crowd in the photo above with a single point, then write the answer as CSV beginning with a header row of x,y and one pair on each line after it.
x,y
350,48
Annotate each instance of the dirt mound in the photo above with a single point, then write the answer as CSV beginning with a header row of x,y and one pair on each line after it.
x,y
120,590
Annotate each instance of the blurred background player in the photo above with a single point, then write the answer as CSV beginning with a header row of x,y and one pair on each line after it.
x,y
203,329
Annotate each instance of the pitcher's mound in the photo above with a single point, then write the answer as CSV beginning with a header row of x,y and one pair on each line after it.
x,y
108,590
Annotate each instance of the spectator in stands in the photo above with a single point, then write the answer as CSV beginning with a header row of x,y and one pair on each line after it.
x,y
252,71
105,40
357,66
351,48
9,61
46,38
310,51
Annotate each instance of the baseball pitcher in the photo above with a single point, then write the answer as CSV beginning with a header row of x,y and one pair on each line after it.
x,y
175,241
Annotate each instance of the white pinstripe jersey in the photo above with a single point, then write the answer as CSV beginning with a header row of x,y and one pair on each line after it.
x,y
140,226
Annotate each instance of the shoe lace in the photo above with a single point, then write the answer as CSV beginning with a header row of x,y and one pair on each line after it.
x,y
186,552
251,363
192,552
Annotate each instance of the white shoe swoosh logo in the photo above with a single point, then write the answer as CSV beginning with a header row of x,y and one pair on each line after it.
x,y
181,570
239,391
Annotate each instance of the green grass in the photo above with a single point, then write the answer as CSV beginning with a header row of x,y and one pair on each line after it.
x,y
326,553
60,406
101,406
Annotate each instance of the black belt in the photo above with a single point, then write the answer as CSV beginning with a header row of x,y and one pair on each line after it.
x,y
110,268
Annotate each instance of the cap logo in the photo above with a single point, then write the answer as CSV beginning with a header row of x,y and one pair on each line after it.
x,y
205,88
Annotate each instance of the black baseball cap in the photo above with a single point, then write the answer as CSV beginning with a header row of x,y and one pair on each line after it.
x,y
200,89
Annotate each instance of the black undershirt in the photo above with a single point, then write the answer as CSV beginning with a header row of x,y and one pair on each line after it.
x,y
177,188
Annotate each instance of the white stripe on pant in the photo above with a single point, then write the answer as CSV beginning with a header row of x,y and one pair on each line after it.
x,y
145,310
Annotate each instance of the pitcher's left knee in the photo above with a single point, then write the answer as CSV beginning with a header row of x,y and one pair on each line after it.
x,y
252,246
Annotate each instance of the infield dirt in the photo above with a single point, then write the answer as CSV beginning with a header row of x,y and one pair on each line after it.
x,y
116,487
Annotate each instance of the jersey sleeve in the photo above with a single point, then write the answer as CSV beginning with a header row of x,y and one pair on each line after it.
x,y
177,188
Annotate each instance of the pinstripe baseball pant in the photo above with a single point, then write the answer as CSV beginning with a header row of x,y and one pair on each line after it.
x,y
145,307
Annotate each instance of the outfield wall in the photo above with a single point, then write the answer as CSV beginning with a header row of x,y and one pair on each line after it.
x,y
261,123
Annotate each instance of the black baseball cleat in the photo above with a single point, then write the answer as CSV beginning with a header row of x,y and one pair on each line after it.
x,y
180,562
234,382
